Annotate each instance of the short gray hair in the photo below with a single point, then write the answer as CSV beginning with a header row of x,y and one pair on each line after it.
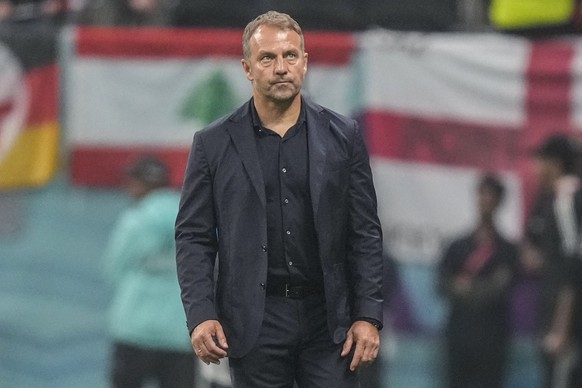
x,y
271,18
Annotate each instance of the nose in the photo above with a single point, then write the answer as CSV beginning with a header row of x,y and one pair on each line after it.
x,y
280,66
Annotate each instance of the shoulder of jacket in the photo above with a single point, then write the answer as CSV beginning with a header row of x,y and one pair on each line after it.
x,y
340,120
219,126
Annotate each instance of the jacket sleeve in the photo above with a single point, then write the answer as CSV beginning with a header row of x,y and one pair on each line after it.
x,y
196,239
364,250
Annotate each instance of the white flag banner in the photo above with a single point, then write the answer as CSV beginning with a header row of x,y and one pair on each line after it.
x,y
441,110
147,91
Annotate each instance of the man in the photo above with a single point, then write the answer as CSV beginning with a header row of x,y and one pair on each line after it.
x,y
476,274
552,249
282,190
150,342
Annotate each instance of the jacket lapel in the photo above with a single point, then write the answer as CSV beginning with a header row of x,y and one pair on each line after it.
x,y
317,130
240,129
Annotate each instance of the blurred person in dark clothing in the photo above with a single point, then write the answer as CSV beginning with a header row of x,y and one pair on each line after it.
x,y
146,316
343,15
130,13
23,11
6,9
476,274
552,250
317,15
410,15
210,13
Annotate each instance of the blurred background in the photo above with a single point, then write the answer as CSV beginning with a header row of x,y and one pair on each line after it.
x,y
445,91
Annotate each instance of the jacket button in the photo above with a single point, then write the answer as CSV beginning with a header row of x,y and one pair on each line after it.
x,y
262,285
264,248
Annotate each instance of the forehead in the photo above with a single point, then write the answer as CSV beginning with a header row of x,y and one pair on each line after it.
x,y
268,38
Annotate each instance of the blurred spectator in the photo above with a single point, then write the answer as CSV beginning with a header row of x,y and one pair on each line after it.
x,y
319,15
6,9
476,275
411,15
22,11
147,317
473,14
133,13
552,242
209,13
536,18
314,15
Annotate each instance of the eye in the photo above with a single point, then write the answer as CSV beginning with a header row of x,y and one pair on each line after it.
x,y
292,55
266,58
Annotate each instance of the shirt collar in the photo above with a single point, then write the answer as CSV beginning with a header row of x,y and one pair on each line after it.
x,y
257,121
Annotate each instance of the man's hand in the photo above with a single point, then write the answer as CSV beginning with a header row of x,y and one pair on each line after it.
x,y
209,342
366,338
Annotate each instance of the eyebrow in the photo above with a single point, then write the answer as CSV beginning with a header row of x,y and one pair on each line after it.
x,y
270,52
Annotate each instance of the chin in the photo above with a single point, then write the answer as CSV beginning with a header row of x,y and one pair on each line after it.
x,y
284,97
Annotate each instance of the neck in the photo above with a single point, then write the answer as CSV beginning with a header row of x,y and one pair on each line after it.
x,y
278,116
485,229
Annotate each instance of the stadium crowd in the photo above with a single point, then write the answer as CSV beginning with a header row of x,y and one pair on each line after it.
x,y
523,17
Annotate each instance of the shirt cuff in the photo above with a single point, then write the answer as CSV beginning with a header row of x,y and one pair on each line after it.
x,y
376,323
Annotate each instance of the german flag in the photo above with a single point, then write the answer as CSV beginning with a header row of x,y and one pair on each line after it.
x,y
29,126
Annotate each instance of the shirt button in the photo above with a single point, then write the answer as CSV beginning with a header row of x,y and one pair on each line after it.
x,y
284,170
290,263
288,232
286,200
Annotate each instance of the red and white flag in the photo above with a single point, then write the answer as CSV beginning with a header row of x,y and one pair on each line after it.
x,y
441,109
136,91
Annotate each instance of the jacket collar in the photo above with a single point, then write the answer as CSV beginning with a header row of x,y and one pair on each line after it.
x,y
240,128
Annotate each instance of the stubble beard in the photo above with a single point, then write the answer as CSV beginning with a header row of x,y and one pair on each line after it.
x,y
280,94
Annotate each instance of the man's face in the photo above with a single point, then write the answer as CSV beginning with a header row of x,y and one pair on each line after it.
x,y
135,188
277,65
546,170
488,201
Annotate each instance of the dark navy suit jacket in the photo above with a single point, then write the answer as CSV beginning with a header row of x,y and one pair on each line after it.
x,y
222,212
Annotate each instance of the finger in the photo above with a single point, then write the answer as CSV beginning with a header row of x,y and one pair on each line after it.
x,y
213,349
357,357
201,352
348,344
370,353
211,360
221,337
375,352
202,355
205,356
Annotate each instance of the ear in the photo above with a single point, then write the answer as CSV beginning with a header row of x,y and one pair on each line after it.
x,y
305,57
247,69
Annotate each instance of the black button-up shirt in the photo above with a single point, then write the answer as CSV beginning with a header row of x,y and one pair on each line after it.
x,y
293,255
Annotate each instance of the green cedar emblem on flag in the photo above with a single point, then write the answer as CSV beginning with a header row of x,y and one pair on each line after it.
x,y
211,99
